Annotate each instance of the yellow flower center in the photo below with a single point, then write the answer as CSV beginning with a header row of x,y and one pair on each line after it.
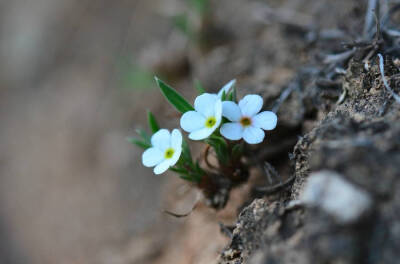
x,y
210,122
169,153
245,121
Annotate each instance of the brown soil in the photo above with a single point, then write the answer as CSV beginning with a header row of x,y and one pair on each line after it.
x,y
77,202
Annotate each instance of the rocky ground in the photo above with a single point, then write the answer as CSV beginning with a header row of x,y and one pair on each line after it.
x,y
323,185
342,206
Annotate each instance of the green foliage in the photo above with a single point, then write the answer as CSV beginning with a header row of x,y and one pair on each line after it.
x,y
220,147
199,87
237,151
223,97
140,143
186,168
152,122
143,142
186,154
232,95
174,97
143,134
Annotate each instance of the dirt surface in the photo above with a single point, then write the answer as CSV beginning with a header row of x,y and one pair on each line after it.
x,y
74,191
346,213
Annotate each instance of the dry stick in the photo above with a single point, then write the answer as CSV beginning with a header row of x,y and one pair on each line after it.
x,y
181,215
206,151
393,33
278,187
225,230
377,39
267,173
267,15
369,17
335,58
385,83
271,171
284,95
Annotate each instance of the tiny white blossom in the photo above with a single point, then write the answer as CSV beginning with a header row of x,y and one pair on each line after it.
x,y
226,88
207,116
247,123
165,151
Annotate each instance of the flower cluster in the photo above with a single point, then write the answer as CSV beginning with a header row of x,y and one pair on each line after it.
x,y
216,119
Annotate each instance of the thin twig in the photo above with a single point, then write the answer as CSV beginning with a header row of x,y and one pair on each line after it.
x,y
335,58
369,17
342,96
181,215
268,15
385,83
393,32
377,39
276,188
383,108
271,172
226,230
284,95
206,151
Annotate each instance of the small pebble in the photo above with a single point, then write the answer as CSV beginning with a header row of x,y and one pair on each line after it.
x,y
333,194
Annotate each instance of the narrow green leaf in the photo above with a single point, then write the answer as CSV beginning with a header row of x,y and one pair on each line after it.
x,y
237,151
186,154
230,96
199,172
223,97
139,143
186,177
218,140
220,147
234,99
174,97
146,137
152,122
178,170
199,87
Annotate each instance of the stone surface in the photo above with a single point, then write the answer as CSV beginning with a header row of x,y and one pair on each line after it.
x,y
331,193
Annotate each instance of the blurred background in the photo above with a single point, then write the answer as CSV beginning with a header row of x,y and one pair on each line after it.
x,y
71,186
76,80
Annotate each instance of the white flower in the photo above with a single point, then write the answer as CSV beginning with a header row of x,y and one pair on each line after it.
x,y
207,117
165,151
226,88
247,123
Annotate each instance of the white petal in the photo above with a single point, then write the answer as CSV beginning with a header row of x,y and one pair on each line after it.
x,y
176,144
232,131
217,113
231,111
161,139
251,104
253,135
202,133
176,156
152,156
192,121
176,139
162,167
266,120
226,88
205,104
